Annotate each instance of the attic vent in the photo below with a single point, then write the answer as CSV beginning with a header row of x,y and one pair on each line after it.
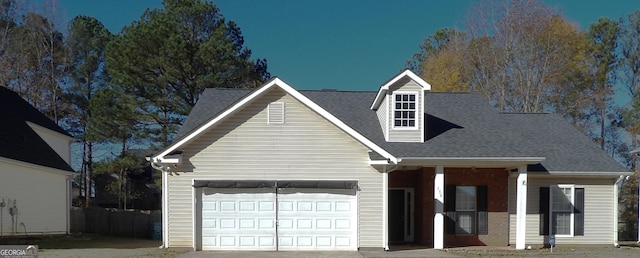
x,y
275,113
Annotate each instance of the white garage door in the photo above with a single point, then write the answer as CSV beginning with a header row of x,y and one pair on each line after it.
x,y
317,219
307,219
238,220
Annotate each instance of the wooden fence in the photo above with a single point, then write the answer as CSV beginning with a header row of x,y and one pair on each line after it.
x,y
115,222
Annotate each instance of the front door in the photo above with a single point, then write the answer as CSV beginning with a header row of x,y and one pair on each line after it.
x,y
401,215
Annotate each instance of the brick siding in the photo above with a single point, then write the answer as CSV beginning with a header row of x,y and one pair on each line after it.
x,y
422,181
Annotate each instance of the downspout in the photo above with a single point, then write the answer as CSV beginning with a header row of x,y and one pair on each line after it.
x,y
69,201
615,210
165,202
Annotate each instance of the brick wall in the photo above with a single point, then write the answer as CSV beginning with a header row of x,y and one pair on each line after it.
x,y
497,195
422,181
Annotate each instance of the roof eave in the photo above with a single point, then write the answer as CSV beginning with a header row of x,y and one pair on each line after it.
x,y
478,162
385,87
275,82
193,134
612,174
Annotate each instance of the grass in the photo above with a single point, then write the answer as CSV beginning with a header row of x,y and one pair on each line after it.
x,y
80,241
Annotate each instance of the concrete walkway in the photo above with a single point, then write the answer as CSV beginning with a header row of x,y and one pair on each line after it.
x,y
318,254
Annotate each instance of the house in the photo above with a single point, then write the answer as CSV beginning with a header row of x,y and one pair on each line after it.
x,y
35,176
280,169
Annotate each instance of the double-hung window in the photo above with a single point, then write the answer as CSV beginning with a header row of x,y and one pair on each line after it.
x,y
404,112
562,210
466,208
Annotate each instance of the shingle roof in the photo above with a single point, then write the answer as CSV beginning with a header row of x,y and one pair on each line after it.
x,y
457,125
565,148
211,102
18,141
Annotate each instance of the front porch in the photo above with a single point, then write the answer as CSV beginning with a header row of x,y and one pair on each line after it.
x,y
452,207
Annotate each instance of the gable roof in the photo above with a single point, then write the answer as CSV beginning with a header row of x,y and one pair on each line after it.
x,y
406,73
202,122
458,126
18,141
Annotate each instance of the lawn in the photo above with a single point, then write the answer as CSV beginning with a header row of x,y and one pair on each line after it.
x,y
95,246
80,241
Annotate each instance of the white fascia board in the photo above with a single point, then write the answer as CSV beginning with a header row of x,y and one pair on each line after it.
x,y
384,88
334,120
584,174
276,82
177,160
470,161
379,162
215,120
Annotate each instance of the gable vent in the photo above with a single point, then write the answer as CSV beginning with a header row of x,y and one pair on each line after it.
x,y
275,113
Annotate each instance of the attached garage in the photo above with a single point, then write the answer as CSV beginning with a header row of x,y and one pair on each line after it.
x,y
276,215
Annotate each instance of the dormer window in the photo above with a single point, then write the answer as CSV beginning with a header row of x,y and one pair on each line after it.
x,y
404,114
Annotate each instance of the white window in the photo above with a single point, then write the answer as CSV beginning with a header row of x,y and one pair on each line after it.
x,y
562,209
465,210
404,115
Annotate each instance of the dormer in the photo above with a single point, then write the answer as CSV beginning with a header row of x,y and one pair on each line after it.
x,y
399,106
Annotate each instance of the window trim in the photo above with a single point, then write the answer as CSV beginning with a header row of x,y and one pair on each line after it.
x,y
416,113
572,212
481,227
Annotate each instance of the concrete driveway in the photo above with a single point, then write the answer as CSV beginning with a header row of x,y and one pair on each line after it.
x,y
318,254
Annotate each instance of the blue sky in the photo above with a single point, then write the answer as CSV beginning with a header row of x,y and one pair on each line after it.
x,y
338,44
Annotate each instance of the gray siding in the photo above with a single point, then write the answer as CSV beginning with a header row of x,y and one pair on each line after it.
x,y
404,135
305,146
598,214
383,115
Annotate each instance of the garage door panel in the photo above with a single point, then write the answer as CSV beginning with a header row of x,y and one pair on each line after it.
x,y
317,219
238,219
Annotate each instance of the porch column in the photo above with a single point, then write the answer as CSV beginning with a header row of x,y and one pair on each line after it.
x,y
385,207
521,208
438,214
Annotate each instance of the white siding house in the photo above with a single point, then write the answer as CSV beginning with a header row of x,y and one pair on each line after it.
x,y
34,171
279,169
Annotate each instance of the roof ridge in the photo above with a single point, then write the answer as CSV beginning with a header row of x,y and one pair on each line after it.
x,y
338,90
523,113
451,92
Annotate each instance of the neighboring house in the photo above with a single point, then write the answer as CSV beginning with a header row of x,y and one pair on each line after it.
x,y
35,176
281,169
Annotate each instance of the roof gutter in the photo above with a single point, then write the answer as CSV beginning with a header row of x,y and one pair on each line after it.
x,y
470,161
612,174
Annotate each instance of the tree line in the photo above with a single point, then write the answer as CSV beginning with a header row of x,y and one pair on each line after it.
x,y
132,87
526,56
